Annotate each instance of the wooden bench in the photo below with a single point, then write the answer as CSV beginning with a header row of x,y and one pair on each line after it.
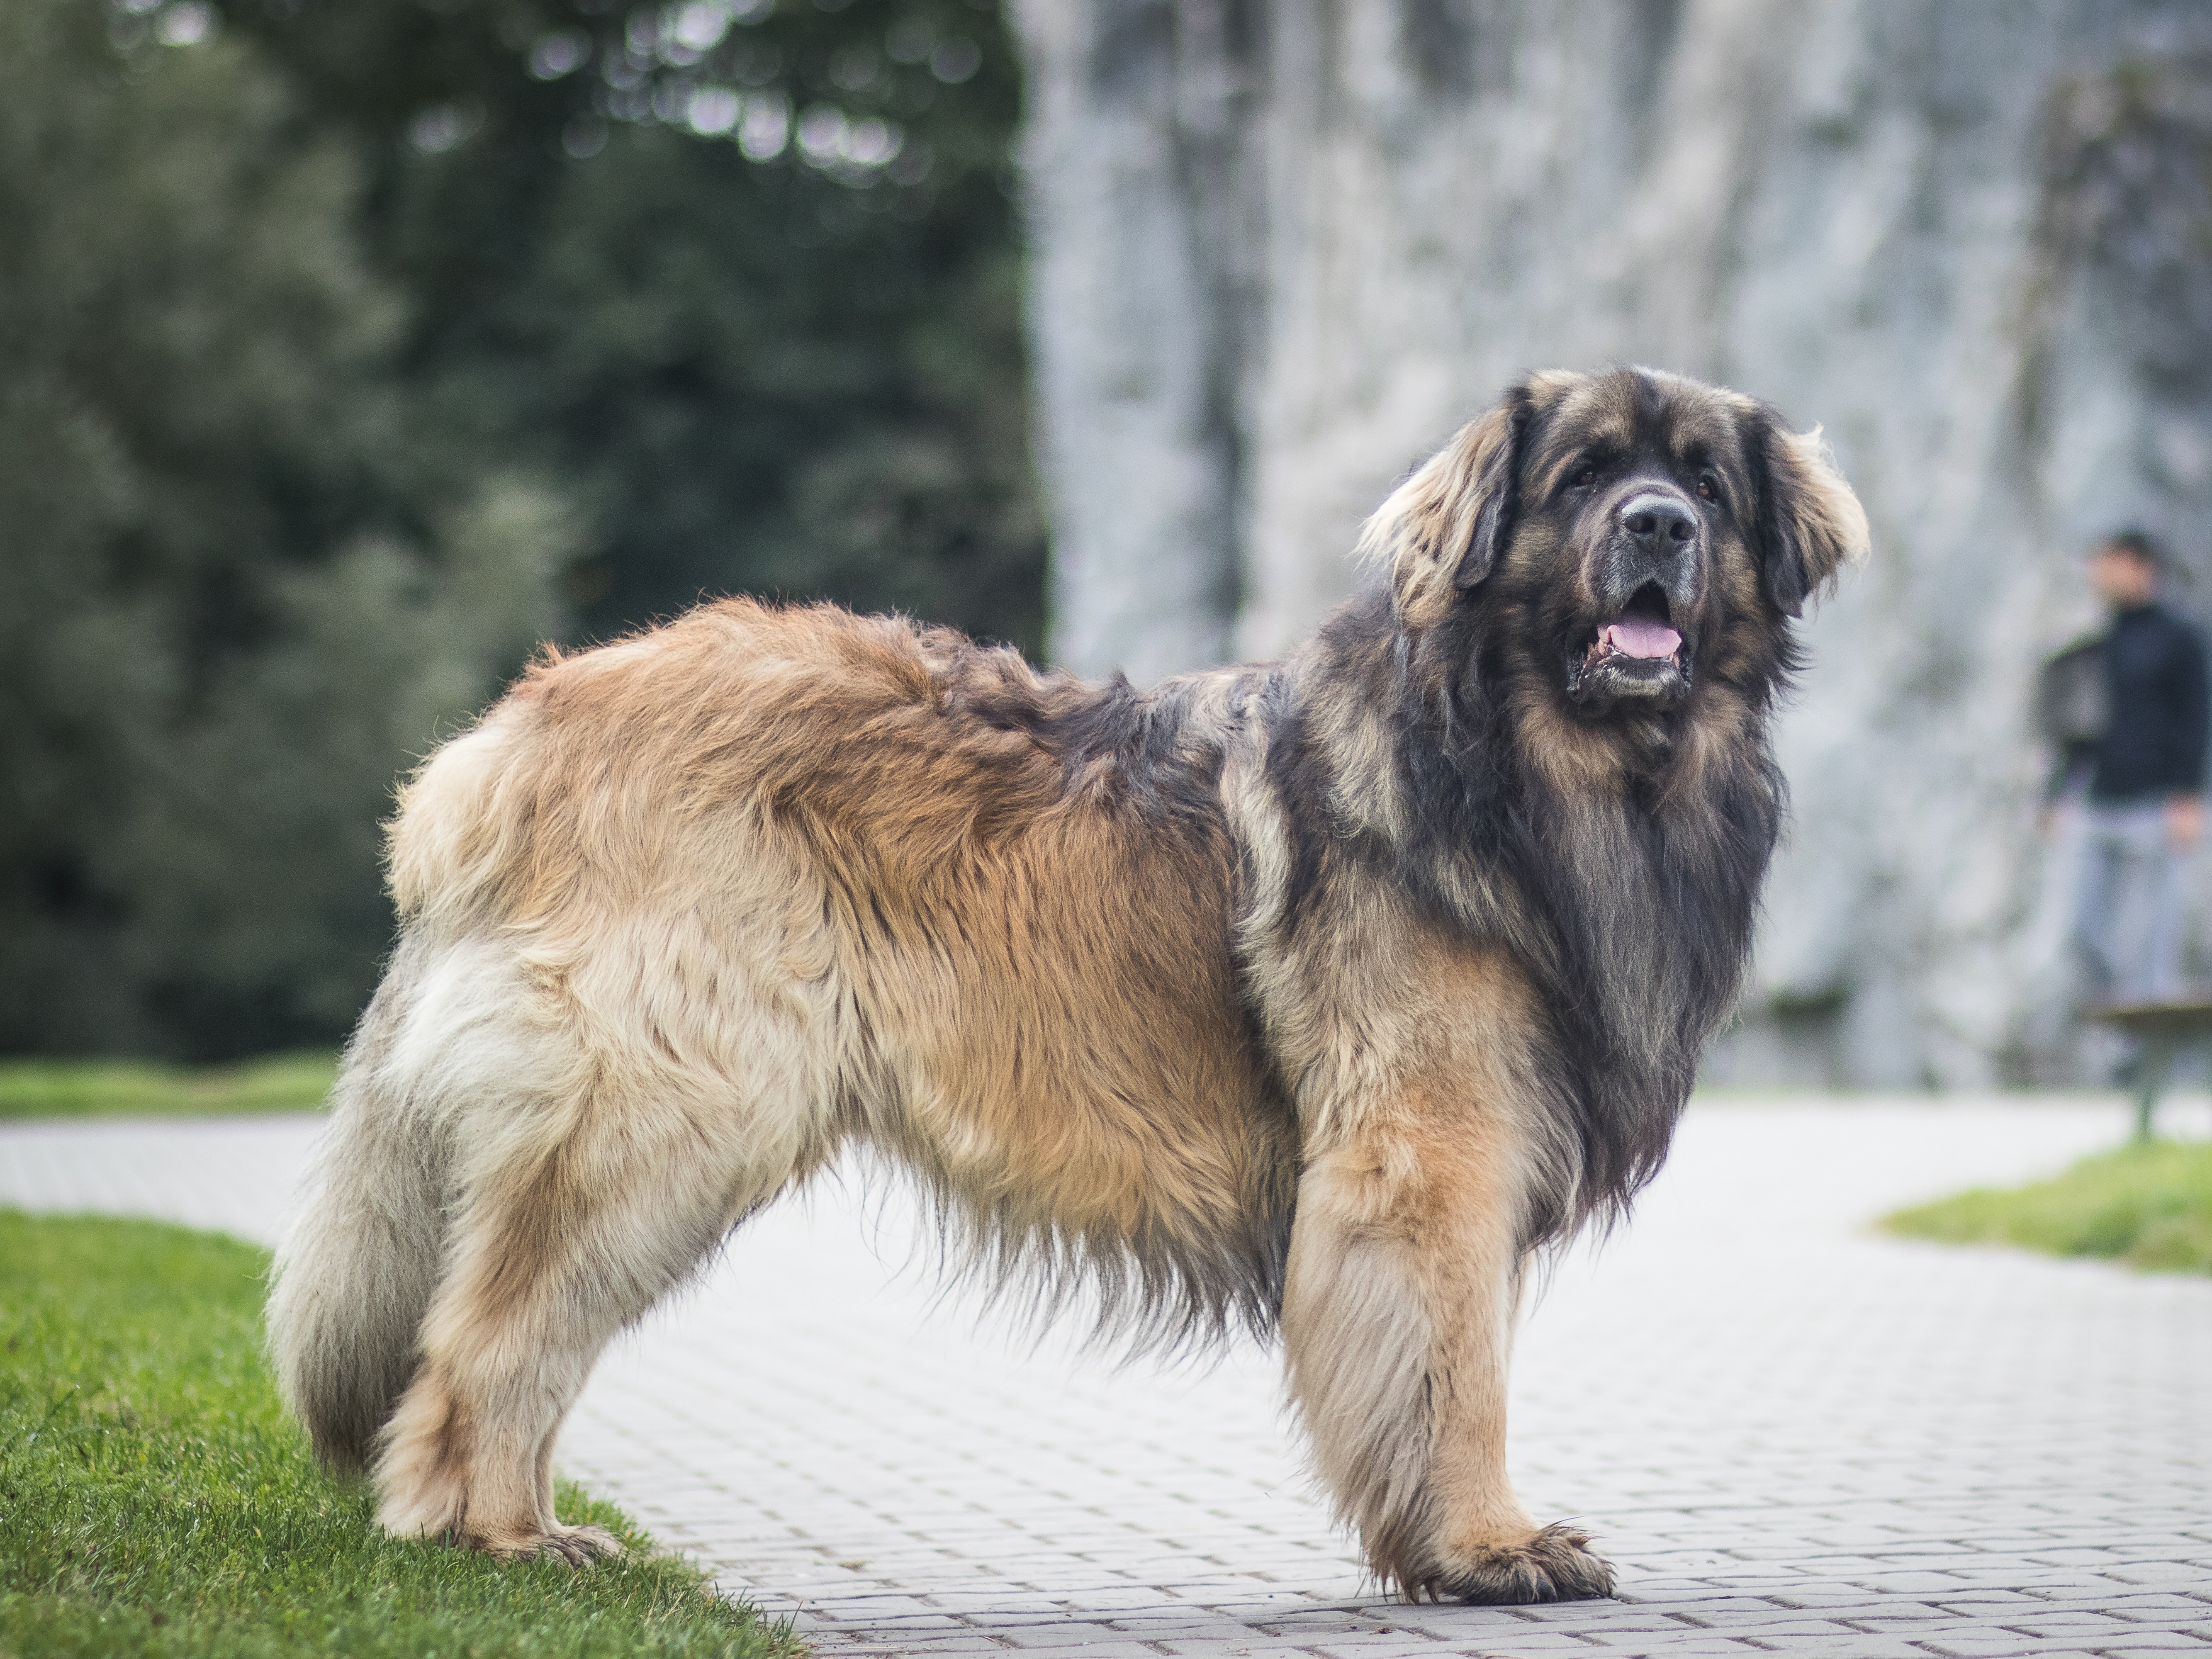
x,y
2163,1030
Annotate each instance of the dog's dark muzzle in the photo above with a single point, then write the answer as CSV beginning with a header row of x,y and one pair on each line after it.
x,y
1658,539
1650,576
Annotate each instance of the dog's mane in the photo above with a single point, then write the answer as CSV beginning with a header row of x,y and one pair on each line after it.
x,y
1633,913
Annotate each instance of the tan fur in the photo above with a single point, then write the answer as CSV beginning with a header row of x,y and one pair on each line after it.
x,y
1128,979
1833,522
1420,533
755,890
1404,1272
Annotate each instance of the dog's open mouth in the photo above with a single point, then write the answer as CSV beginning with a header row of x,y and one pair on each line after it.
x,y
1641,633
1639,657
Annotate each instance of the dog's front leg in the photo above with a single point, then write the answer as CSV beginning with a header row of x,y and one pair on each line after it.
x,y
1398,1316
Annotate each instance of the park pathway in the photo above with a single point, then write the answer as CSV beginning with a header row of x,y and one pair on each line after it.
x,y
1790,1437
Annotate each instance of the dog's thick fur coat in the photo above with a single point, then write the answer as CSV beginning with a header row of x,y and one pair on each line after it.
x,y
1321,993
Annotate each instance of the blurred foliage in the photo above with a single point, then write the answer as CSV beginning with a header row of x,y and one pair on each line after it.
x,y
745,274
2148,1204
239,587
352,346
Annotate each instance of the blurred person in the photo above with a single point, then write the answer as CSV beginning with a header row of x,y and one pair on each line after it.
x,y
2129,713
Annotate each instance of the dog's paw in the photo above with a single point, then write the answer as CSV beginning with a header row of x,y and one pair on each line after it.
x,y
572,1546
578,1546
1552,1564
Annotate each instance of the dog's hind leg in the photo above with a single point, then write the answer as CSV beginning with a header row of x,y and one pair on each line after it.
x,y
361,1264
1398,1313
576,1214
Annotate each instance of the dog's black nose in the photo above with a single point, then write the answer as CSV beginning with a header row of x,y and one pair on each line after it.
x,y
1658,522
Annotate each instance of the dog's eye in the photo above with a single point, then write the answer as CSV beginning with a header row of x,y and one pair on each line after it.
x,y
1586,478
1709,487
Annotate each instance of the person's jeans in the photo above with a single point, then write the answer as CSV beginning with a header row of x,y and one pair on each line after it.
x,y
2127,914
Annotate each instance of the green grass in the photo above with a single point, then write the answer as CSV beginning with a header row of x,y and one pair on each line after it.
x,y
2150,1206
113,1088
156,1499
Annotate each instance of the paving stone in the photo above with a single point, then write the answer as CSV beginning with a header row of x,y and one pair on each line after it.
x,y
2006,1644
1790,1435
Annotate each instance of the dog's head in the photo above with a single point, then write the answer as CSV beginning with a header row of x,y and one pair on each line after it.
x,y
1631,531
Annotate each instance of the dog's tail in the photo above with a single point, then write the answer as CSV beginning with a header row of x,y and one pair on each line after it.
x,y
356,1273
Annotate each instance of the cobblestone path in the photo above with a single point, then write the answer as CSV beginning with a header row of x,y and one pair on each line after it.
x,y
1790,1437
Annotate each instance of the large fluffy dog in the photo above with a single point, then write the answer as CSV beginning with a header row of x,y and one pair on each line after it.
x,y
1319,994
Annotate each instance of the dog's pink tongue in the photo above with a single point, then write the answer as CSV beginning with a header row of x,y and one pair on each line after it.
x,y
1639,637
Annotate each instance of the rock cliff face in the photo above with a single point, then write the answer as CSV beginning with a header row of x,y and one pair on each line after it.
x,y
1283,248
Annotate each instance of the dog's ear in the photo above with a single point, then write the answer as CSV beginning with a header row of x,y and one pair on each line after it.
x,y
1811,524
1440,532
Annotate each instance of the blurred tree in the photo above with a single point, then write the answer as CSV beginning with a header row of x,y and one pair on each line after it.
x,y
745,274
301,307
238,590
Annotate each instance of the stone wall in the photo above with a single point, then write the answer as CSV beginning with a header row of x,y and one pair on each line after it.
x,y
1282,249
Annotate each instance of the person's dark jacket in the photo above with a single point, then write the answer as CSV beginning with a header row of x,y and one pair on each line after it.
x,y
2155,735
